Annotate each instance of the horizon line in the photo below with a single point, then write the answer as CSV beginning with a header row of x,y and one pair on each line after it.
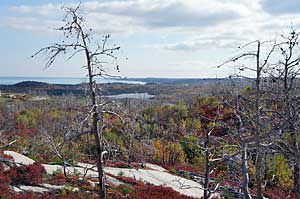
x,y
114,77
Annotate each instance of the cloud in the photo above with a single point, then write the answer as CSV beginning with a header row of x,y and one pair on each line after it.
x,y
198,44
170,13
145,14
195,24
185,17
30,24
280,7
42,10
199,31
194,63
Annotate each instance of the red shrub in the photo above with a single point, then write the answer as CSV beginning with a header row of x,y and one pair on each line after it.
x,y
116,164
276,193
4,156
147,191
5,177
124,179
179,167
4,182
25,130
27,175
58,179
30,195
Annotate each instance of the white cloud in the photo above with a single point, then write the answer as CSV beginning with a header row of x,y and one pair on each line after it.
x,y
46,10
204,23
160,16
202,43
192,29
30,24
148,14
170,13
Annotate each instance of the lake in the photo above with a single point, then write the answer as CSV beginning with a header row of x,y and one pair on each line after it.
x,y
131,95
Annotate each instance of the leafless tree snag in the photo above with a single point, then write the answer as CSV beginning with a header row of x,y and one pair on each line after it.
x,y
77,41
261,60
285,72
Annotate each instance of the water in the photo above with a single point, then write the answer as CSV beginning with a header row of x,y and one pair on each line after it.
x,y
61,80
131,95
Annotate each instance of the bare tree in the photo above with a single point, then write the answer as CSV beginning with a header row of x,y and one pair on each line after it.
x,y
285,93
209,147
78,40
261,62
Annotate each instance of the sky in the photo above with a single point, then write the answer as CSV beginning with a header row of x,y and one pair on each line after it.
x,y
158,38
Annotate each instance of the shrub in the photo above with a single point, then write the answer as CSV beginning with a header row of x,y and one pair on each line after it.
x,y
168,152
58,179
27,175
126,189
4,182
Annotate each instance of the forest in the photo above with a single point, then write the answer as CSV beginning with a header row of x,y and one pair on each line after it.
x,y
236,137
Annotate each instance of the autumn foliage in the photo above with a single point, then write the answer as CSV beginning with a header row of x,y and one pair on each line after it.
x,y
27,175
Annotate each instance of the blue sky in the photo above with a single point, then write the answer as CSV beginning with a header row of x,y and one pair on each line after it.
x,y
160,38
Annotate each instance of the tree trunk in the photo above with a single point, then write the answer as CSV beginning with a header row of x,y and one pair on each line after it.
x,y
291,128
258,128
296,167
266,169
297,178
130,149
95,130
64,167
245,172
207,167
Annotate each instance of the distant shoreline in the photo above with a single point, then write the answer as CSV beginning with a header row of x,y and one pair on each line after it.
x,y
138,80
62,80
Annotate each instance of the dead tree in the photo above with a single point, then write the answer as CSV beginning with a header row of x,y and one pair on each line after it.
x,y
261,63
285,93
240,128
208,151
78,40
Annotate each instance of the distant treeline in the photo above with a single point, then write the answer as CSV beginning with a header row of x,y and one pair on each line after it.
x,y
153,86
41,88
